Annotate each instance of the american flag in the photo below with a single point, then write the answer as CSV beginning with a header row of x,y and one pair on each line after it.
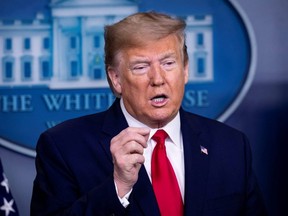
x,y
7,203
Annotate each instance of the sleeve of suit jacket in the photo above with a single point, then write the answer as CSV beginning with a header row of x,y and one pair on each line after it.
x,y
59,190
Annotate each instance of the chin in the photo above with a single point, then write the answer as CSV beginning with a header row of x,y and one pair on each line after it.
x,y
160,122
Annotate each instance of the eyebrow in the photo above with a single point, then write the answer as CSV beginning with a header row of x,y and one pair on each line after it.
x,y
144,59
168,55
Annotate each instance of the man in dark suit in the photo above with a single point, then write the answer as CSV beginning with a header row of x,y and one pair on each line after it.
x,y
108,163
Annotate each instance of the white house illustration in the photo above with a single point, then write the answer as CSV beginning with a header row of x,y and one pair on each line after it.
x,y
66,50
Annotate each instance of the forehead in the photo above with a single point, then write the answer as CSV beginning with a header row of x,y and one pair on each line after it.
x,y
162,48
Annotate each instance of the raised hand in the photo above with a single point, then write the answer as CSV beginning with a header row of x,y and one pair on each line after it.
x,y
127,152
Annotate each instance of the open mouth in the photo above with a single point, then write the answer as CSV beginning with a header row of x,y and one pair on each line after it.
x,y
159,99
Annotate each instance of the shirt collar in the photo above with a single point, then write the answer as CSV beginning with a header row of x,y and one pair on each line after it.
x,y
172,128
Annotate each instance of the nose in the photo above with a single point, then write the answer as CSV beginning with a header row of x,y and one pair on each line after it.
x,y
157,76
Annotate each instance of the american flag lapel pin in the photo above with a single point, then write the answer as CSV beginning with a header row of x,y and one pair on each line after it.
x,y
204,150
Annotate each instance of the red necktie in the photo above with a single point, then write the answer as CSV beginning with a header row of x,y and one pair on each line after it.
x,y
164,181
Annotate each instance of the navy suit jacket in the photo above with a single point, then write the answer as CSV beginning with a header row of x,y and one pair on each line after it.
x,y
75,170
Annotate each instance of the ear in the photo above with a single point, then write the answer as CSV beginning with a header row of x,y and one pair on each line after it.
x,y
115,79
186,72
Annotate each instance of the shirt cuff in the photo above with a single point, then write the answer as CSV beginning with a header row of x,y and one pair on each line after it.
x,y
124,200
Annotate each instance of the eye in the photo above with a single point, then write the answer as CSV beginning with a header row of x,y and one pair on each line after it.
x,y
169,64
140,69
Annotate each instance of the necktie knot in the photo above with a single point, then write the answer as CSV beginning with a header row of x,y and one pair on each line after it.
x,y
159,137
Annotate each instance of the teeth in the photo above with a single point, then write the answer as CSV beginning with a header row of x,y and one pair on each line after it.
x,y
157,100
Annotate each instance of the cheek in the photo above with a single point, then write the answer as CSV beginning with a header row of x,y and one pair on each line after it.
x,y
136,84
132,90
178,89
177,82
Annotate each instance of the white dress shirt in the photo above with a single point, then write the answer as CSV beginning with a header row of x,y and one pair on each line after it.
x,y
174,145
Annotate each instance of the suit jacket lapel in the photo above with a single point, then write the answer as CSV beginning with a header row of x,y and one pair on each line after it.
x,y
113,124
196,165
143,195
